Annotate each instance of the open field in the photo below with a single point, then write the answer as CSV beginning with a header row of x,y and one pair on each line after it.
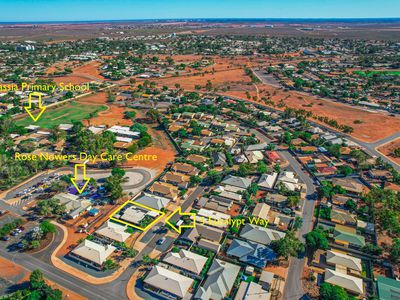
x,y
372,73
72,111
112,115
388,149
373,126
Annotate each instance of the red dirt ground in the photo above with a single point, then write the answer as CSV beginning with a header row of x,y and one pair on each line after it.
x,y
15,273
113,116
91,69
374,125
388,149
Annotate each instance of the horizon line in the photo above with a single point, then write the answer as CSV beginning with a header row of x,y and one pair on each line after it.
x,y
205,19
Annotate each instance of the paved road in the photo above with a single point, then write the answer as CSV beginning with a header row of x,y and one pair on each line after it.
x,y
368,147
189,201
293,287
112,290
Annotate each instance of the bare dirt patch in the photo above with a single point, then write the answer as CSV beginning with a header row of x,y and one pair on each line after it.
x,y
388,149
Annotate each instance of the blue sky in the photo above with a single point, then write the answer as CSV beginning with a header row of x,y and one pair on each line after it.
x,y
77,10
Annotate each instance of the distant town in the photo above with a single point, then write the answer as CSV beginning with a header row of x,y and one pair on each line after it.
x,y
200,161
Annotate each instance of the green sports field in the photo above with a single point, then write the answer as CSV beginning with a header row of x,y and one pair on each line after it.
x,y
72,111
371,73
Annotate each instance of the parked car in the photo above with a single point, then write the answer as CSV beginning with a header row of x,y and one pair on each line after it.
x,y
161,241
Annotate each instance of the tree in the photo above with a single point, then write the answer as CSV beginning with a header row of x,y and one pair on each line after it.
x,y
316,239
372,249
113,185
109,264
130,114
288,245
195,180
118,172
345,170
244,169
35,244
298,222
332,292
396,152
351,205
293,200
395,251
262,167
36,279
47,227
214,176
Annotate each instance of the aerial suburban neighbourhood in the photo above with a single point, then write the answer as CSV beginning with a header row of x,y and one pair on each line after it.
x,y
207,159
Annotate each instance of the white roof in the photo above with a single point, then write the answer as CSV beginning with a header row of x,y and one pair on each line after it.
x,y
133,214
260,234
268,180
94,252
220,219
169,281
123,139
261,210
350,283
252,291
220,280
152,201
186,260
113,231
337,258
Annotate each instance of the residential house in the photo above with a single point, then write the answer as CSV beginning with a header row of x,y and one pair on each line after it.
x,y
219,159
349,184
92,254
261,211
186,169
388,288
74,206
236,183
289,180
267,181
206,236
251,253
153,201
343,217
276,200
252,291
186,260
352,284
164,190
341,261
348,236
113,232
261,235
167,284
220,280
177,179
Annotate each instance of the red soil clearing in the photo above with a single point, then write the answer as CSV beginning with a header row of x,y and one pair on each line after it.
x,y
388,149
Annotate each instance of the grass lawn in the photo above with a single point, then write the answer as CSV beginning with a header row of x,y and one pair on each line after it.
x,y
371,73
72,111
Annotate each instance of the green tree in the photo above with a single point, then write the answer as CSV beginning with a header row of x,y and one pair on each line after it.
x,y
118,172
288,245
395,251
316,239
332,292
47,227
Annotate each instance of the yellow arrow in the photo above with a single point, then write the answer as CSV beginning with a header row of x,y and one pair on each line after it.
x,y
75,178
179,228
40,106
